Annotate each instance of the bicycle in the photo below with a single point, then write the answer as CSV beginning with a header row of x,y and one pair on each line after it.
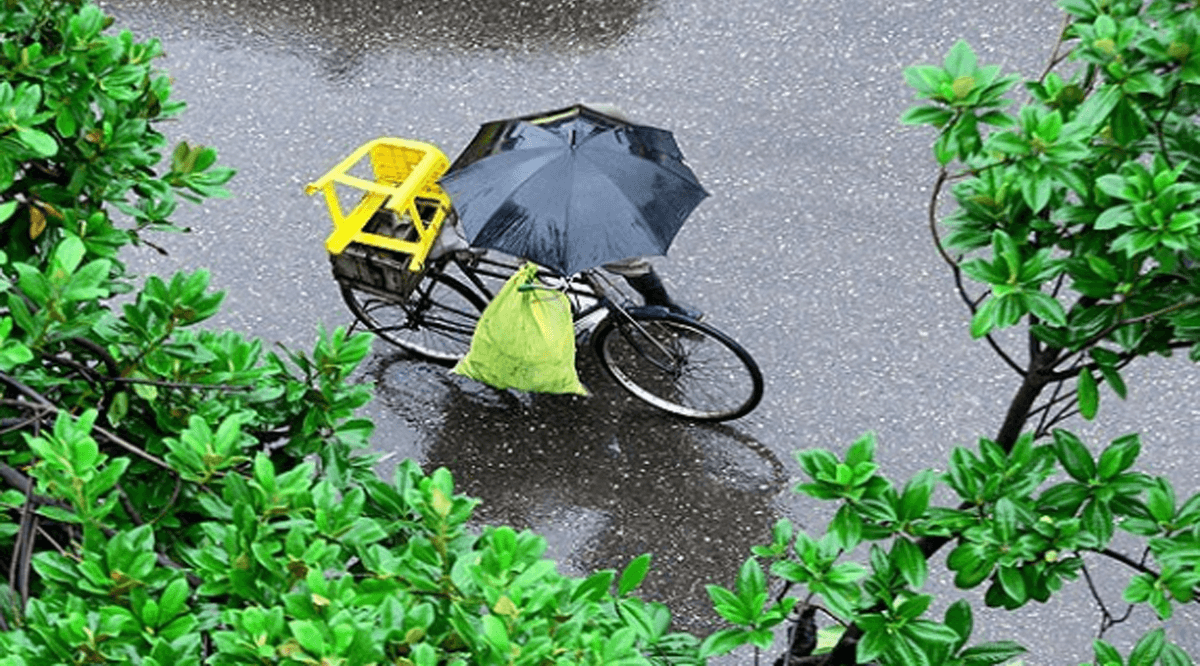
x,y
429,306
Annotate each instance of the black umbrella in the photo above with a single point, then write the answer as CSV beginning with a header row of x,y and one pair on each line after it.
x,y
572,189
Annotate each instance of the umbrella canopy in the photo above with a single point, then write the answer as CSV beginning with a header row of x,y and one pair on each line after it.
x,y
572,189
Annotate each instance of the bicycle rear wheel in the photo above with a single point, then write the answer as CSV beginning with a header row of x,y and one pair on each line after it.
x,y
680,365
434,322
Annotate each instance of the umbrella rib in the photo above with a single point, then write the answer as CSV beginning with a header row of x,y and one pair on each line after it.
x,y
616,186
692,183
521,183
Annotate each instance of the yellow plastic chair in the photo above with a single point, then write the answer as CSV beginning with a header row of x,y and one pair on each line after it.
x,y
405,175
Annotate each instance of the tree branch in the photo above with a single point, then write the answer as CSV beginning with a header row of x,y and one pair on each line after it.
x,y
25,484
972,305
1095,339
132,448
1056,59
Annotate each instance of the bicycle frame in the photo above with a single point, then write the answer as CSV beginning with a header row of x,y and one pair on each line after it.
x,y
587,295
487,274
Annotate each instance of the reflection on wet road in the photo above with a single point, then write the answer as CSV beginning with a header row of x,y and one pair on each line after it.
x,y
339,33
604,478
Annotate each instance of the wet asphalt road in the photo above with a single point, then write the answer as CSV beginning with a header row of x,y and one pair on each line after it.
x,y
813,252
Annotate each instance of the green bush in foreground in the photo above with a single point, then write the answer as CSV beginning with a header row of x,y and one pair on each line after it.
x,y
1075,217
180,496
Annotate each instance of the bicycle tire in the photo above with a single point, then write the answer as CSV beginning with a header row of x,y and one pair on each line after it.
x,y
708,377
434,322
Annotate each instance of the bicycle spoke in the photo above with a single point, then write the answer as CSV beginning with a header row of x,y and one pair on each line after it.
x,y
436,321
681,366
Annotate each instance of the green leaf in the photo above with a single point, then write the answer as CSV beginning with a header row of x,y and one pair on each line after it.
x,y
914,500
42,144
58,514
1004,515
496,633
69,253
1118,456
1094,111
751,581
1097,518
174,598
944,149
64,122
308,636
729,606
1013,583
1139,589
906,652
846,527
1036,190
594,587
914,606
1126,122
1009,143
1148,649
1107,272
997,119
871,645
985,318
1074,456
959,618
928,632
108,477
960,61
1160,501
723,641
925,79
1049,127
907,558
819,464
1005,247
424,654
1115,185
1113,378
1105,653
1089,396
1064,497
633,574
1045,307
927,115
996,652
971,564
862,450
1085,9
1173,655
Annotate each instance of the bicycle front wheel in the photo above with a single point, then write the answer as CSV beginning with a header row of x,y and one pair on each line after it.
x,y
434,322
680,365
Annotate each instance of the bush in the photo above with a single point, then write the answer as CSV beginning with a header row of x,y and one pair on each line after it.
x,y
1074,218
176,495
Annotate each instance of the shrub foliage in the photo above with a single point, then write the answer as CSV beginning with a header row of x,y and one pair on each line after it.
x,y
1074,218
178,495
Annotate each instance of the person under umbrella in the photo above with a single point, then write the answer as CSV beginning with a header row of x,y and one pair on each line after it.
x,y
638,271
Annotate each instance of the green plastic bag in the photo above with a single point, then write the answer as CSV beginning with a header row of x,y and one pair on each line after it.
x,y
524,340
